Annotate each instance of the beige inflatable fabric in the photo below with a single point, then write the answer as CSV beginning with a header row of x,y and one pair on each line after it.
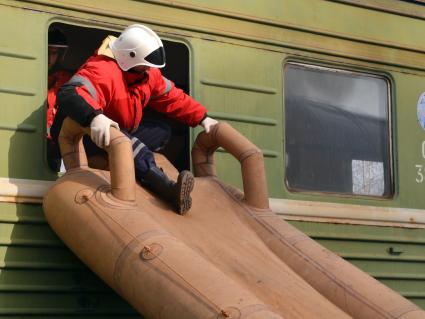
x,y
230,257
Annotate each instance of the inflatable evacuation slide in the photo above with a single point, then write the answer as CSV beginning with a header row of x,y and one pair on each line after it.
x,y
229,257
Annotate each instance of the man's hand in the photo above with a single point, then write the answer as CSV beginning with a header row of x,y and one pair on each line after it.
x,y
208,123
99,127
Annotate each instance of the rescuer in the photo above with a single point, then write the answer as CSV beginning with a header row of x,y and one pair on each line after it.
x,y
113,87
58,75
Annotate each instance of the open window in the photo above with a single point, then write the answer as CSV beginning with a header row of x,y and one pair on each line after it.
x,y
82,43
337,131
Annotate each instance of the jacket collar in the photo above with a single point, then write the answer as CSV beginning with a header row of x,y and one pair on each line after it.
x,y
104,48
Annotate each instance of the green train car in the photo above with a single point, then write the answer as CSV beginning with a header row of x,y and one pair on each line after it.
x,y
332,91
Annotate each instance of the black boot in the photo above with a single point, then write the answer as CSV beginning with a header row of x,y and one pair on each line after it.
x,y
176,193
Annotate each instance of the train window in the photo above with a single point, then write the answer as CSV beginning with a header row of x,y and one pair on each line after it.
x,y
337,131
69,48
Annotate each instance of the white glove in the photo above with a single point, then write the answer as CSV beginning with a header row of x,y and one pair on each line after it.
x,y
208,123
99,130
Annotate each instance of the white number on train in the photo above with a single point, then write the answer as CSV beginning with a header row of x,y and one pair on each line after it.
x,y
419,174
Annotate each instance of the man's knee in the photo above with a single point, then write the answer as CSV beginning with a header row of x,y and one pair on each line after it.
x,y
154,134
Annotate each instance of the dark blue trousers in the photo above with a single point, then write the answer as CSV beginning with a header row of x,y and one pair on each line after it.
x,y
150,136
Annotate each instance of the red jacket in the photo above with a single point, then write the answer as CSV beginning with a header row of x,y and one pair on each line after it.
x,y
55,81
122,96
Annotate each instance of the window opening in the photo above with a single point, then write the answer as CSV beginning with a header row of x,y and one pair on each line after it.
x,y
337,131
79,43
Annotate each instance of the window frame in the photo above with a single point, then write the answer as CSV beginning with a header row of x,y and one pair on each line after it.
x,y
349,70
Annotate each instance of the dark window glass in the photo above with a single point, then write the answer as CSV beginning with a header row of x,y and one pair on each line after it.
x,y
336,131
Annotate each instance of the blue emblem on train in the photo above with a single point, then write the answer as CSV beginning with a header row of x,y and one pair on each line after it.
x,y
421,110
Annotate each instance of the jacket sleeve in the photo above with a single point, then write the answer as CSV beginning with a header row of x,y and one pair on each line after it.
x,y
172,101
74,101
81,98
84,95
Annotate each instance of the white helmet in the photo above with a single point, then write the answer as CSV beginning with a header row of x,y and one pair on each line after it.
x,y
138,45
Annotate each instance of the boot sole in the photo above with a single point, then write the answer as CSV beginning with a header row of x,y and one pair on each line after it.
x,y
187,184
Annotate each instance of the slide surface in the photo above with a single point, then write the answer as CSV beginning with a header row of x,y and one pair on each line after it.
x,y
218,228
